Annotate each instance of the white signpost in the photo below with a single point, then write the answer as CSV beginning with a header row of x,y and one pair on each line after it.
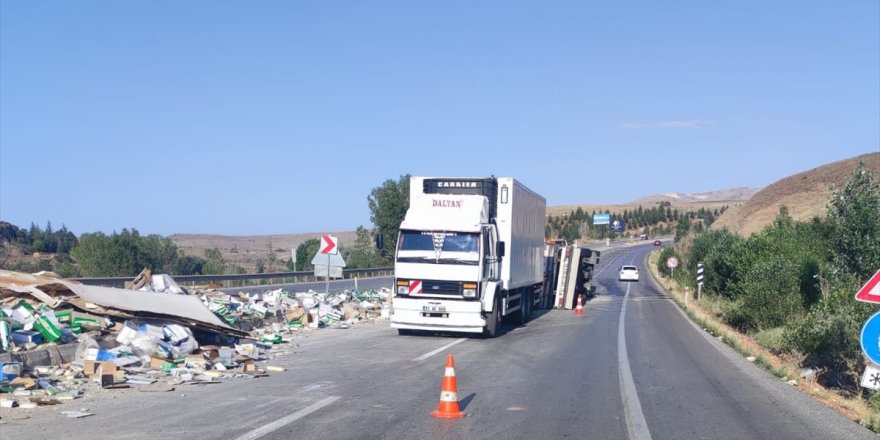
x,y
672,263
700,276
332,264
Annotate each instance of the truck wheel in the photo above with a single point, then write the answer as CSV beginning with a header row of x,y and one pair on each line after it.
x,y
493,324
525,308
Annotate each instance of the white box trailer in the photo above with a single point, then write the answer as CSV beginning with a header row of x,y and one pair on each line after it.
x,y
470,252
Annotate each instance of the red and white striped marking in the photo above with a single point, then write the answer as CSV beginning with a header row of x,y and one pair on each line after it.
x,y
415,287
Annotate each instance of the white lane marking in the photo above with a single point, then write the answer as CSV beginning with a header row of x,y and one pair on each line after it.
x,y
433,352
265,429
636,425
607,265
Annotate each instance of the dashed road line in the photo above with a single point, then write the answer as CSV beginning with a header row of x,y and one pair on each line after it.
x,y
636,425
433,352
265,429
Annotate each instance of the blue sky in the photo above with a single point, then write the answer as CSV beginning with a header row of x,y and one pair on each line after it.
x,y
245,118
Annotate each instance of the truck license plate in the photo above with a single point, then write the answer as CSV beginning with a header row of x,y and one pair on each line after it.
x,y
434,309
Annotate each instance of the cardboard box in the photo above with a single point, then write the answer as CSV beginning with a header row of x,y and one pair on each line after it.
x,y
47,328
91,368
105,374
295,314
9,370
196,361
161,364
80,319
351,312
249,367
63,315
23,382
210,352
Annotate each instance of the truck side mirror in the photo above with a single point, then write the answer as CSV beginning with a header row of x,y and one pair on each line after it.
x,y
499,249
380,242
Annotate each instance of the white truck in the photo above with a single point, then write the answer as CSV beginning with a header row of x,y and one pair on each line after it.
x,y
470,252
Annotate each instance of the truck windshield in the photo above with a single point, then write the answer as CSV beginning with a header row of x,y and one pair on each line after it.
x,y
452,241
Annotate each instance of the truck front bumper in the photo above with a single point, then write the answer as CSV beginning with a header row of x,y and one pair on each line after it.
x,y
440,315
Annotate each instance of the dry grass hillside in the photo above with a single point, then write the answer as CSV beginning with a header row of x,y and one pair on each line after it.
x,y
805,194
245,250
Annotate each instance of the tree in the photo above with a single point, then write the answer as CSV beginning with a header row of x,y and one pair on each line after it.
x,y
305,252
271,258
854,216
388,204
682,228
124,254
189,265
364,253
215,264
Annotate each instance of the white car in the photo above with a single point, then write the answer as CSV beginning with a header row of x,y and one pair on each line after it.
x,y
629,273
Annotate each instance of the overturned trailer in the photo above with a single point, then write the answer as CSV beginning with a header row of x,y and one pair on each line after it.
x,y
568,273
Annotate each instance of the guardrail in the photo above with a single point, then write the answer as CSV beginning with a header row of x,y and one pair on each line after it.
x,y
247,279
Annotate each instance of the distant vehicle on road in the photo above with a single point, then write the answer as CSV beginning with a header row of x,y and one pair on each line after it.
x,y
657,243
629,273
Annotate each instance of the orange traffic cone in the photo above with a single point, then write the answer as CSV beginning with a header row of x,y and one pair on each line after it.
x,y
579,310
448,407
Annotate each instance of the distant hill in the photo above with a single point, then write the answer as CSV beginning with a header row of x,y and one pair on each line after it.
x,y
805,194
724,195
244,250
749,210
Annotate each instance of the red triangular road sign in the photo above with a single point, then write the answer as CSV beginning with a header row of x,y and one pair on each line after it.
x,y
870,292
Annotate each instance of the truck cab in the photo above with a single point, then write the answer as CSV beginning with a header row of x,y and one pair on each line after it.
x,y
450,268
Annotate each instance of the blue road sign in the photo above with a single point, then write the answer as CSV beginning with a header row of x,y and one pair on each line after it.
x,y
870,339
601,219
618,226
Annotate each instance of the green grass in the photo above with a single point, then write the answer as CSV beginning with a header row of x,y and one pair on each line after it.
x,y
771,339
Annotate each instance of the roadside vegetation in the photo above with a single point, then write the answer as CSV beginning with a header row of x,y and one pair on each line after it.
x,y
786,295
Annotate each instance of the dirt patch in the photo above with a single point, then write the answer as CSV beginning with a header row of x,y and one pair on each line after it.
x,y
246,250
806,195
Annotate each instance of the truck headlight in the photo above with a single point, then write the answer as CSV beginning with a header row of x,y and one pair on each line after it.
x,y
469,290
402,287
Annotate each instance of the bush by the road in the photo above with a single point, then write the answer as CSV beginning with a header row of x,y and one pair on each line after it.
x,y
799,277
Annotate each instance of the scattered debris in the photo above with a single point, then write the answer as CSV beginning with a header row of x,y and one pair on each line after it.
x,y
154,335
76,414
751,359
809,373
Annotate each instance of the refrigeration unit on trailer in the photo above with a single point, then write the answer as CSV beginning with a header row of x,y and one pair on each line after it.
x,y
469,253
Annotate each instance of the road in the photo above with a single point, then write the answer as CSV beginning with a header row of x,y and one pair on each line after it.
x,y
631,367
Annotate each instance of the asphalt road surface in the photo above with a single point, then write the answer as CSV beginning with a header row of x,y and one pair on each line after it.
x,y
632,367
